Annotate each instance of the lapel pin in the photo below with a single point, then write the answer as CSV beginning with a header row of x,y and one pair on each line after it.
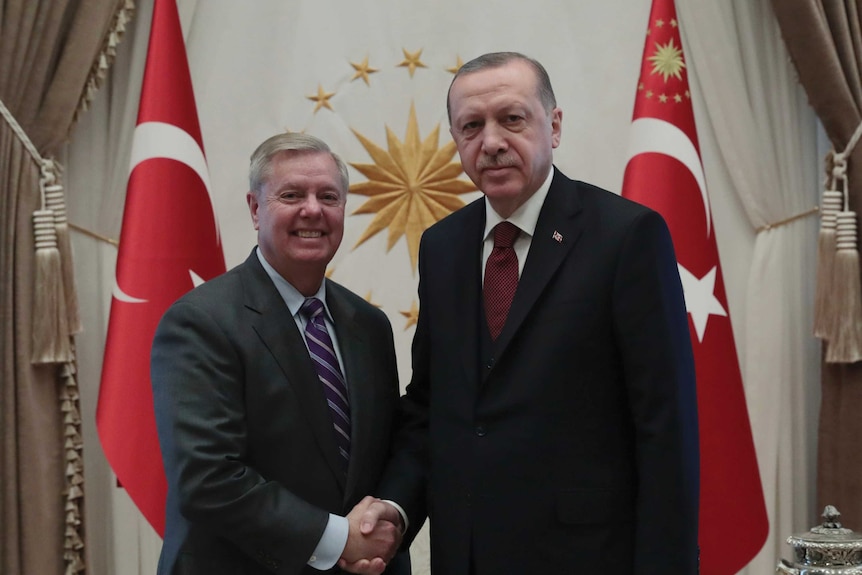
x,y
557,236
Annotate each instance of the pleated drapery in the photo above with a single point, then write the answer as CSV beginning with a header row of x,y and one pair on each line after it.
x,y
824,38
53,56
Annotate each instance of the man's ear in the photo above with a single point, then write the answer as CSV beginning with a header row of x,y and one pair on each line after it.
x,y
556,126
253,206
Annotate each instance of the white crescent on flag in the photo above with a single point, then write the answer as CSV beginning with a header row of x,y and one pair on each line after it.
x,y
161,140
120,295
661,137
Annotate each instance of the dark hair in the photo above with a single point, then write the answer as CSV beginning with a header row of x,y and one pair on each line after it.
x,y
498,59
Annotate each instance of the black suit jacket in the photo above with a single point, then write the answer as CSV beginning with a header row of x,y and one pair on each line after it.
x,y
570,444
246,436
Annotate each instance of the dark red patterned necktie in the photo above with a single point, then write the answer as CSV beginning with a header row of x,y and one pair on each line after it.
x,y
501,277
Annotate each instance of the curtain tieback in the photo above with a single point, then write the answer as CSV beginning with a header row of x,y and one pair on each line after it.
x,y
55,306
838,303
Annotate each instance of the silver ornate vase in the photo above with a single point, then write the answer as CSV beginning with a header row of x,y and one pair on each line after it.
x,y
827,549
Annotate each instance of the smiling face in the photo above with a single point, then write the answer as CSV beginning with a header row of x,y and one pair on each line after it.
x,y
298,213
504,135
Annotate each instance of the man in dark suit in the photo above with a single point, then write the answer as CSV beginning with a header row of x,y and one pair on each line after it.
x,y
550,425
275,391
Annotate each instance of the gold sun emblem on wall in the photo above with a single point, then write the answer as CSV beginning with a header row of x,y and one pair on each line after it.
x,y
667,61
409,187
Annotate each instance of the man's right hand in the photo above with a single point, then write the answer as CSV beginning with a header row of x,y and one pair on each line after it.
x,y
374,537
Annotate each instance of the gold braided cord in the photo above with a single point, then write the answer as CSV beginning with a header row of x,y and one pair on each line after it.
x,y
791,219
94,235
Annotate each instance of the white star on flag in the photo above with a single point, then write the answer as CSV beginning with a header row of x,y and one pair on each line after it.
x,y
700,300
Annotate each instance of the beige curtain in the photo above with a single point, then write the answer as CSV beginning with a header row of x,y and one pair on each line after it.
x,y
53,55
766,137
825,43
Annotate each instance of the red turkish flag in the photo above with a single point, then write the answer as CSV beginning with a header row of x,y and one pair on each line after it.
x,y
169,243
665,172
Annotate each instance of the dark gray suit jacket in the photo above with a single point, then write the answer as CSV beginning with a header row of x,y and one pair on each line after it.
x,y
246,436
570,444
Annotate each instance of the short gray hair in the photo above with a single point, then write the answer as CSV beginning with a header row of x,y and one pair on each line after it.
x,y
261,159
499,59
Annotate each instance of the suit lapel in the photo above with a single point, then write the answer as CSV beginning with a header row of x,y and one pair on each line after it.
x,y
467,263
277,329
558,229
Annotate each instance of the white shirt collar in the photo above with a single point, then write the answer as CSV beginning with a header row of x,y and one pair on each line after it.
x,y
526,216
291,296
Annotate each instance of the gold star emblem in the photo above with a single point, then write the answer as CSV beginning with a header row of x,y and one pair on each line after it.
x,y
410,187
674,23
412,61
667,61
659,23
687,95
677,98
640,86
649,94
321,99
412,315
454,69
368,299
362,71
662,98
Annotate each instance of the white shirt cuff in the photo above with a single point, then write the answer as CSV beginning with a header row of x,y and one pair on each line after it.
x,y
401,512
332,543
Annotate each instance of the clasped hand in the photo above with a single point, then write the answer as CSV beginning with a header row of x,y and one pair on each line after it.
x,y
374,537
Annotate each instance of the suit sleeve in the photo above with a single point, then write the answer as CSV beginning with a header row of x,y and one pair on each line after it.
x,y
198,392
405,478
653,335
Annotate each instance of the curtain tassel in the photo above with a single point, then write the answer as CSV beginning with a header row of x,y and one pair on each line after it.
x,y
846,346
845,338
56,202
50,326
824,302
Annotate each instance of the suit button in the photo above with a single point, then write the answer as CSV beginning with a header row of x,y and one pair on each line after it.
x,y
490,363
480,430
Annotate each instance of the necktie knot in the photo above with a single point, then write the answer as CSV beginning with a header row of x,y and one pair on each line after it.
x,y
505,234
311,308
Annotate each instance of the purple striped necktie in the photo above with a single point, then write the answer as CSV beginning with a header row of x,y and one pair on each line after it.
x,y
328,371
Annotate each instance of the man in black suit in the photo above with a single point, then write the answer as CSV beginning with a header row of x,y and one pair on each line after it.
x,y
275,391
553,430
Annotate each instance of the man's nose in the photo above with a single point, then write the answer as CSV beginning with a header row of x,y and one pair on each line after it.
x,y
311,206
494,139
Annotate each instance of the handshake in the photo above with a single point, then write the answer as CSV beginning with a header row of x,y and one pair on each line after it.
x,y
375,534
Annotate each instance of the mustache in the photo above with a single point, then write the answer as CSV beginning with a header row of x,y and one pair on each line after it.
x,y
497,161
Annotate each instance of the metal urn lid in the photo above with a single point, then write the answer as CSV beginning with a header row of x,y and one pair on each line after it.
x,y
827,549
